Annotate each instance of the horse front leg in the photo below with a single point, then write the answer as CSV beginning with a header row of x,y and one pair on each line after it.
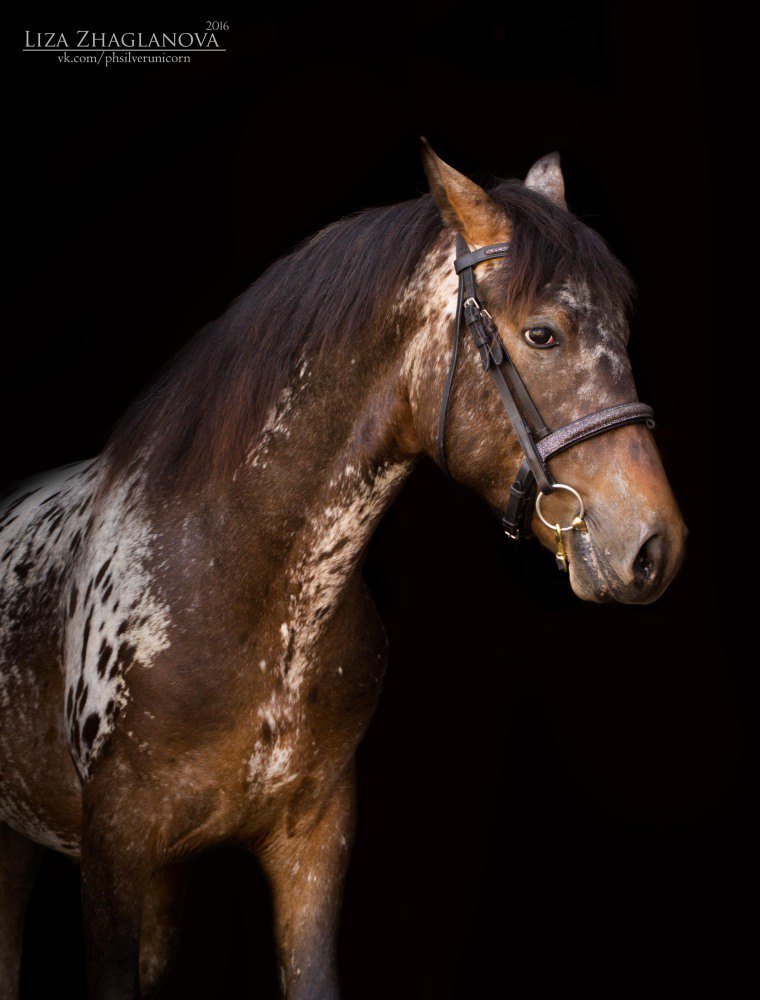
x,y
160,926
306,863
19,860
116,870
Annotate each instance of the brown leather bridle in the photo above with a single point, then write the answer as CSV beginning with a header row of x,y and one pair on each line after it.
x,y
537,441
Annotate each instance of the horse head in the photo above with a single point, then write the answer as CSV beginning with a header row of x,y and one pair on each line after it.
x,y
559,300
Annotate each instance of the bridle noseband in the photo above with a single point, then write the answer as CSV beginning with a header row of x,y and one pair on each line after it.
x,y
537,441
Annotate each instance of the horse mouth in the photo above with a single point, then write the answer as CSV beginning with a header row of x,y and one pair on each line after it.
x,y
593,577
588,579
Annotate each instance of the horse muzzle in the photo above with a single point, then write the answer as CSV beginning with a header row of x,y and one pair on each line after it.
x,y
631,570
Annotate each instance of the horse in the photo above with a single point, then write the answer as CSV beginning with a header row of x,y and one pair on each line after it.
x,y
189,655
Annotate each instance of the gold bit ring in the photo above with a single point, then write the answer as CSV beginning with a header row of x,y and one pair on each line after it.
x,y
555,527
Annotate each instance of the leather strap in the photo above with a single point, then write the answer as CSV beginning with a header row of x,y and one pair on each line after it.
x,y
528,425
519,510
465,259
447,386
463,264
593,424
532,456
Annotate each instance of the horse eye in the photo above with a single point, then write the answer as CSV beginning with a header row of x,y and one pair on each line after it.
x,y
540,336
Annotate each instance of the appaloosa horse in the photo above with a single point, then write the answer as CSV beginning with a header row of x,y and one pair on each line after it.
x,y
188,654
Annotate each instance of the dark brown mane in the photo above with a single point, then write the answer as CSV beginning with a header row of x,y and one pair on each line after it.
x,y
202,413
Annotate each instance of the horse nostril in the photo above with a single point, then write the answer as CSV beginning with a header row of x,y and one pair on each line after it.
x,y
649,557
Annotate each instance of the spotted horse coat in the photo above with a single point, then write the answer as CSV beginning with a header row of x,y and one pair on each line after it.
x,y
188,653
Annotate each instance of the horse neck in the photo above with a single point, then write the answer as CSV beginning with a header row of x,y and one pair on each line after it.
x,y
342,436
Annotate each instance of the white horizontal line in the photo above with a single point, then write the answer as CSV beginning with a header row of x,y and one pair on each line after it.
x,y
175,51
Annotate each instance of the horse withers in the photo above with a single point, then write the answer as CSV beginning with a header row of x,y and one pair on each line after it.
x,y
188,653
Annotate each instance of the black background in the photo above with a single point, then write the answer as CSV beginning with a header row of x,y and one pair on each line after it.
x,y
552,794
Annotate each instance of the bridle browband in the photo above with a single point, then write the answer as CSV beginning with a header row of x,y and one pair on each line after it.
x,y
537,441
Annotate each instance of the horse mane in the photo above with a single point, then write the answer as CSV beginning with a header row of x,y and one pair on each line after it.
x,y
204,410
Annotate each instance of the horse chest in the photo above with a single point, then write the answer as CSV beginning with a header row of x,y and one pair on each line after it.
x,y
321,675
312,733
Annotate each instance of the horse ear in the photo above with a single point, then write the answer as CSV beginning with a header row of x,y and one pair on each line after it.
x,y
463,204
545,176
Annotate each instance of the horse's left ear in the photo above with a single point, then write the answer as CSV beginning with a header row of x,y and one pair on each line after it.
x,y
545,176
463,204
